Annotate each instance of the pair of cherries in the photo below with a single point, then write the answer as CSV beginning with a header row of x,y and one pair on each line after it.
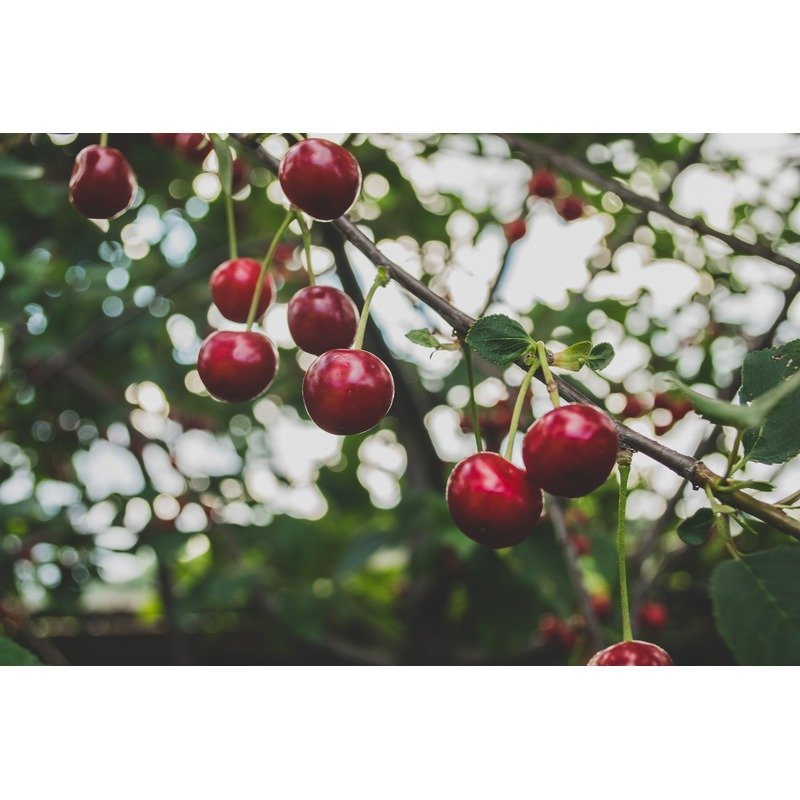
x,y
345,391
543,183
568,452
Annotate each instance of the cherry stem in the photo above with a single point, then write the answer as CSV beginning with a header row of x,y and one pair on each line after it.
x,y
512,428
550,382
732,455
232,246
473,408
306,245
723,523
103,140
362,322
624,466
251,314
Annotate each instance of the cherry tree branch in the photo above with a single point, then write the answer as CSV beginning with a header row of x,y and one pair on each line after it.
x,y
696,472
535,151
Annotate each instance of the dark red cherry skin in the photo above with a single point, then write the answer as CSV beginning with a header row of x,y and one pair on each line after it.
x,y
240,176
102,184
633,407
570,207
237,365
653,616
232,285
515,230
571,450
543,184
165,140
322,318
492,501
347,391
193,146
320,177
631,654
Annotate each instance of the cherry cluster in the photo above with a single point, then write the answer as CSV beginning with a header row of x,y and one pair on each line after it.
x,y
346,390
678,407
544,184
569,452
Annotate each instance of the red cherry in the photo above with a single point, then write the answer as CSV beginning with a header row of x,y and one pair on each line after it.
x,y
556,632
601,605
570,207
232,285
347,391
678,406
165,140
653,616
322,318
571,450
237,365
634,407
543,184
515,230
320,177
102,184
193,146
581,544
631,654
492,501
284,253
240,177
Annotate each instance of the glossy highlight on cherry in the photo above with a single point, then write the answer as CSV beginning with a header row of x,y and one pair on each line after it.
x,y
103,183
232,285
320,177
492,501
322,318
347,391
631,654
236,366
571,450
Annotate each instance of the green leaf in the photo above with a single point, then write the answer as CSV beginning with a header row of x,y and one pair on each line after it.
x,y
600,356
499,339
424,338
12,655
696,529
775,438
574,357
223,151
18,170
757,606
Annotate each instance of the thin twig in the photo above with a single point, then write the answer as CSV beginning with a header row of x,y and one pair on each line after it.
x,y
534,150
556,513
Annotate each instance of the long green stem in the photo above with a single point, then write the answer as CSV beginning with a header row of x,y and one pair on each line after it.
x,y
306,245
552,388
232,246
103,140
732,455
251,314
362,323
523,391
624,466
476,428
